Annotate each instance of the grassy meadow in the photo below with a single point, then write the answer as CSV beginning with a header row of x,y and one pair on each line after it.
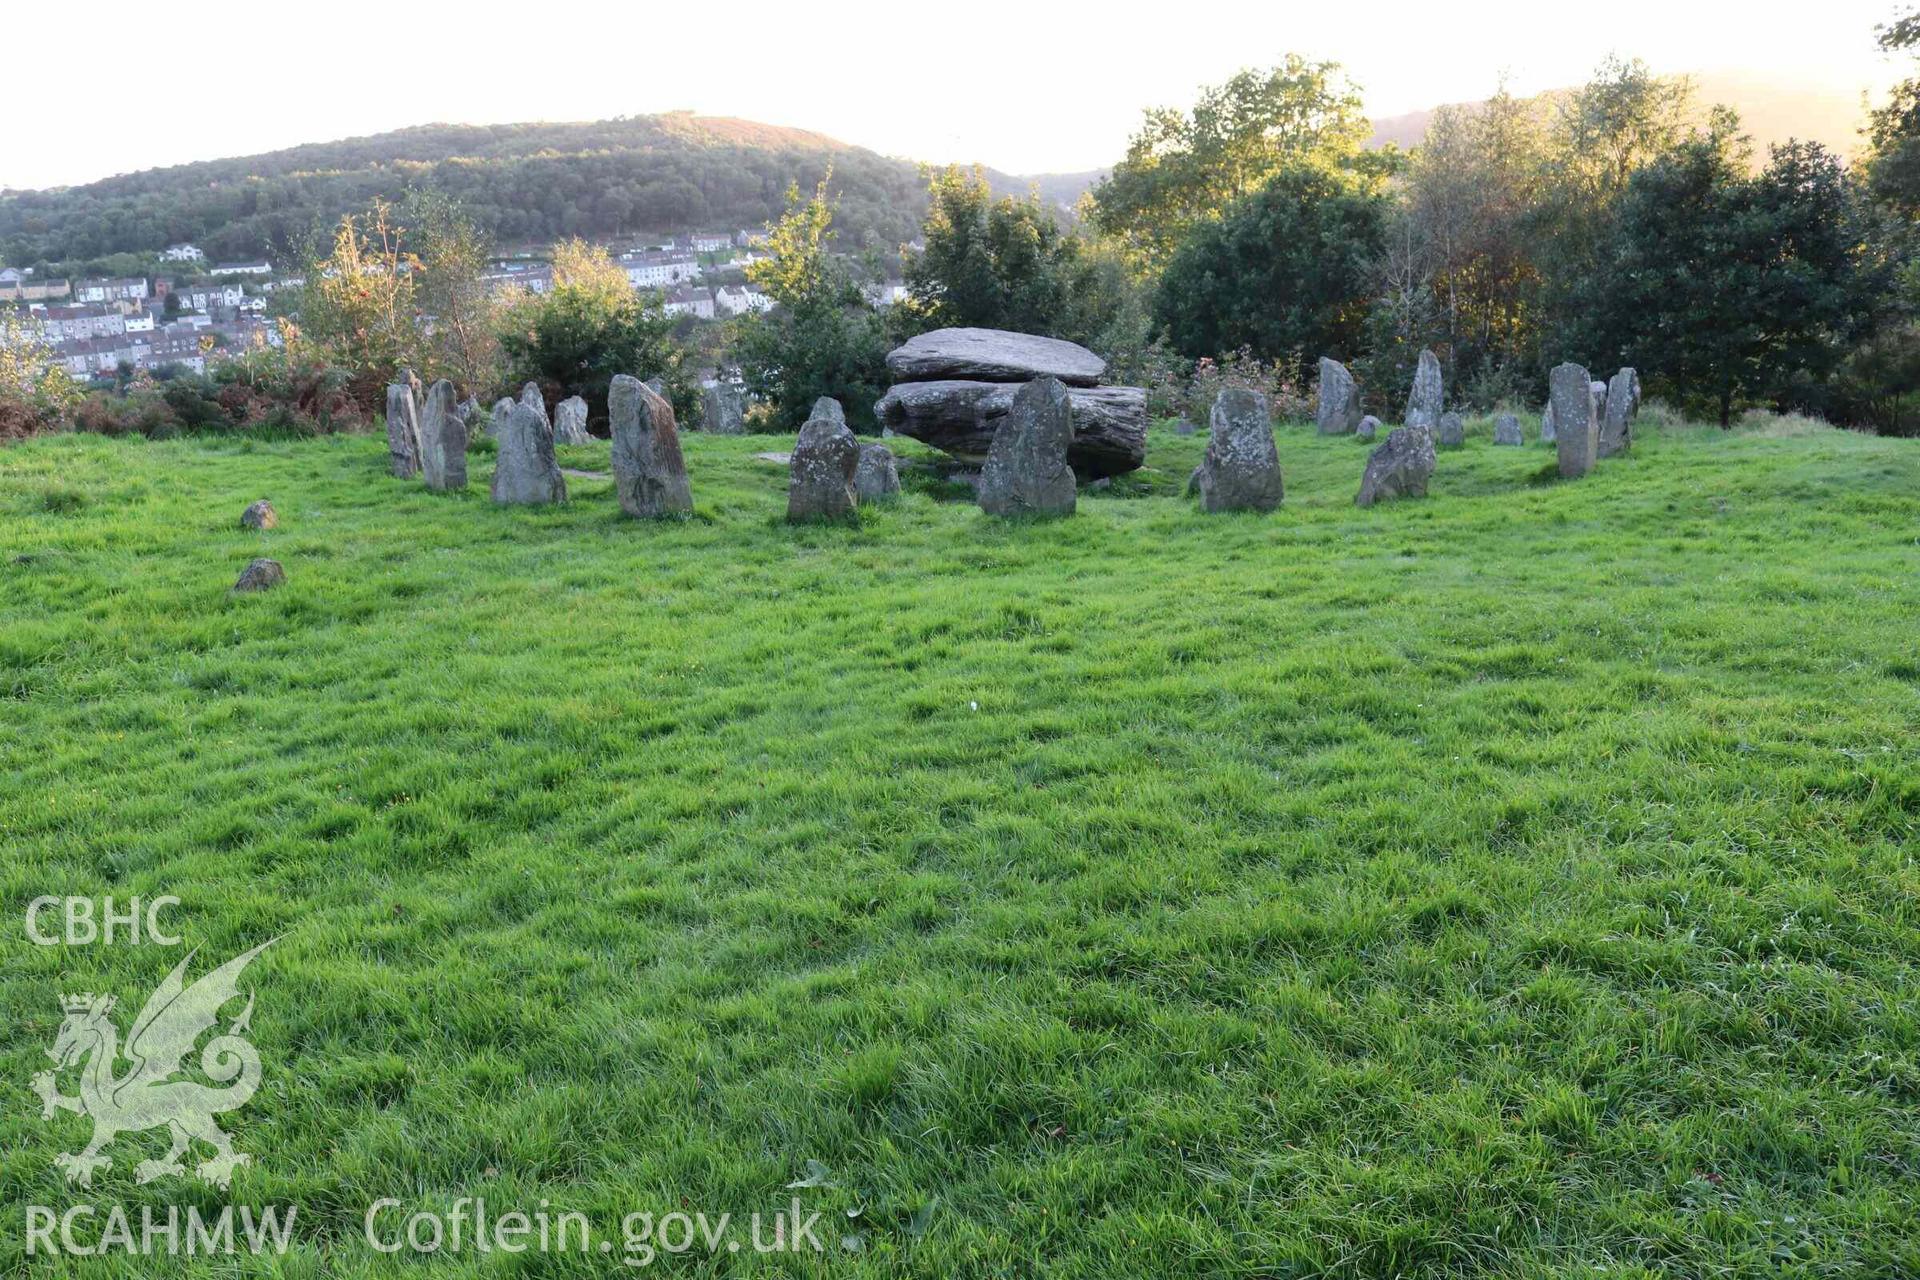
x,y
1519,882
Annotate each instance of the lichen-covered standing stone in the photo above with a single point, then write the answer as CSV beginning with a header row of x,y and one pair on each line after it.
x,y
1453,430
570,421
1369,428
1339,408
1616,423
1429,394
524,470
648,472
726,409
1576,434
259,515
403,431
443,440
1506,430
1026,472
826,457
876,477
1399,468
1241,468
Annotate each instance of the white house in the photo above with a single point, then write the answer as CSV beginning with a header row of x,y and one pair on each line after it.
x,y
711,241
140,321
205,297
183,253
260,267
734,300
124,289
691,302
659,270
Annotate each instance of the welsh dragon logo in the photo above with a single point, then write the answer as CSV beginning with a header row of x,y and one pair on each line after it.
x,y
153,1091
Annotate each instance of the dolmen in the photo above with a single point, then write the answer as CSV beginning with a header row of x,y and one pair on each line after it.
x,y
649,474
1029,466
953,388
1338,412
826,460
1241,468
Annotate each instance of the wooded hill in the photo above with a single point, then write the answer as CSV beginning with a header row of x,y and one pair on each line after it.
x,y
523,182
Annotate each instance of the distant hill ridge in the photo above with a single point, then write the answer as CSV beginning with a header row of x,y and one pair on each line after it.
x,y
524,182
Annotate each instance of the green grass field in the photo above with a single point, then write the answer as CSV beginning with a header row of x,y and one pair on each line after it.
x,y
1520,882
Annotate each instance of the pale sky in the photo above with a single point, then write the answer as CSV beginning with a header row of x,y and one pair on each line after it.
x,y
1024,87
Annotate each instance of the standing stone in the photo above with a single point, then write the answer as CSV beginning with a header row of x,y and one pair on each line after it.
x,y
403,431
259,515
570,422
1548,430
443,441
1241,469
648,472
826,458
1453,430
1026,471
261,575
524,471
1506,430
1429,393
1339,411
726,409
466,409
498,414
876,477
1577,435
1399,468
1599,394
1616,423
1369,428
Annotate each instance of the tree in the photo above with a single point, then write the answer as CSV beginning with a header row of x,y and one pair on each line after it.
x,y
993,264
821,337
1467,236
1182,169
1895,128
1284,273
358,308
588,327
462,313
1725,287
31,379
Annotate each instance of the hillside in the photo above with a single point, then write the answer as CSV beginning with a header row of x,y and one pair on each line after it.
x,y
524,182
1770,110
1482,886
